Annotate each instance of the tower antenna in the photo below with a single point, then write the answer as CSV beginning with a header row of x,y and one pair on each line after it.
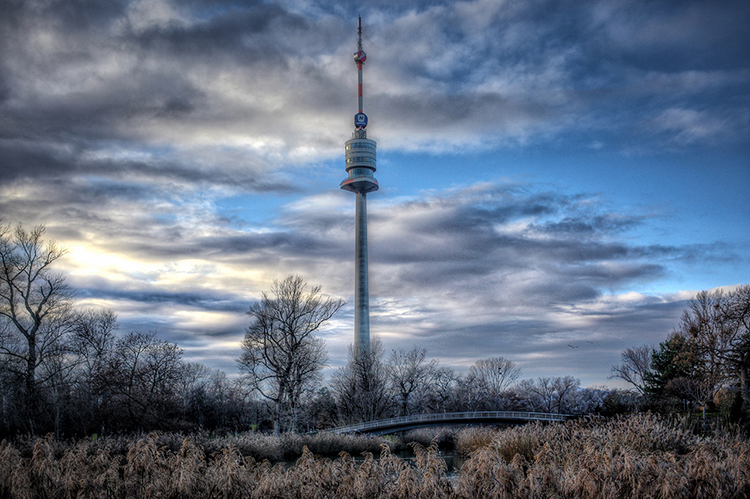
x,y
359,38
360,57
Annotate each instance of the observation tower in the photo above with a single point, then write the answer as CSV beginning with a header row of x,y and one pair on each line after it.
x,y
360,166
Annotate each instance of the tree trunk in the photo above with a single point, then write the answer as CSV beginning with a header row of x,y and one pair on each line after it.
x,y
277,421
744,387
32,400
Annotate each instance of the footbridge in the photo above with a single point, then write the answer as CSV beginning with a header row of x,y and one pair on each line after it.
x,y
403,423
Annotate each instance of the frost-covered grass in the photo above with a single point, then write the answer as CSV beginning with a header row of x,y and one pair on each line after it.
x,y
640,456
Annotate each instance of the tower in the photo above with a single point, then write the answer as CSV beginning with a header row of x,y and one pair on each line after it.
x,y
360,166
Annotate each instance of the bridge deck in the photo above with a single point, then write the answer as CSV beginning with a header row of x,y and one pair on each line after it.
x,y
418,420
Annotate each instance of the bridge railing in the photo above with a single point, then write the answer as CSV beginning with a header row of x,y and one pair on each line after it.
x,y
449,416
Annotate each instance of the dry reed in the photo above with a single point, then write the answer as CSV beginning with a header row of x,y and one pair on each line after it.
x,y
640,456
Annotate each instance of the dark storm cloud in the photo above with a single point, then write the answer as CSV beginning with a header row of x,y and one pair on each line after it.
x,y
27,159
678,35
82,80
657,35
248,34
579,226
97,204
464,241
78,76
98,114
454,245
516,68
80,15
250,248
476,223
541,345
197,299
52,75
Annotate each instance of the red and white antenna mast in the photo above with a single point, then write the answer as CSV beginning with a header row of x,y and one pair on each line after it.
x,y
360,57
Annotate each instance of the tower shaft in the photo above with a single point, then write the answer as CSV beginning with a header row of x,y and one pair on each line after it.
x,y
360,166
361,288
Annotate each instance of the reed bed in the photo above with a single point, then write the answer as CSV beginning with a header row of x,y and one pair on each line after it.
x,y
640,456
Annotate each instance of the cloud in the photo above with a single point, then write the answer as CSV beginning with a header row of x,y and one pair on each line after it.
x,y
511,269
269,80
184,151
674,36
498,263
687,125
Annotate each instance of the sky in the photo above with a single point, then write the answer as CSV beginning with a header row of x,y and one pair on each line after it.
x,y
557,178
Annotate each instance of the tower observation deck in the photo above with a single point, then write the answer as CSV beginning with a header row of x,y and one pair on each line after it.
x,y
361,161
360,164
361,158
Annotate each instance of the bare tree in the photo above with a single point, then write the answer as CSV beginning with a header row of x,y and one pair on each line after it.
x,y
636,362
539,394
439,390
138,381
565,391
408,370
717,329
736,311
495,374
281,356
93,336
487,380
361,387
35,307
551,394
209,399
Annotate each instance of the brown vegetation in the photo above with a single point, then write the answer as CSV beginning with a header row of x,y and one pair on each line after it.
x,y
640,456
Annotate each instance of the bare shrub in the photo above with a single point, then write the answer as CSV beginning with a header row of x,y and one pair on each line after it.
x,y
471,439
487,474
8,456
527,444
431,468
444,437
328,444
258,446
45,469
187,470
230,475
315,477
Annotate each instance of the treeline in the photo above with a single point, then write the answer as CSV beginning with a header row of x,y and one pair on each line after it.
x,y
98,381
406,383
70,372
703,365
91,380
282,360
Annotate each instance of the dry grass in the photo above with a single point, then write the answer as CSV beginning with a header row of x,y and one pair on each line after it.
x,y
641,456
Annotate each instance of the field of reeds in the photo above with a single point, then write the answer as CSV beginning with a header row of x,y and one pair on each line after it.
x,y
639,456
